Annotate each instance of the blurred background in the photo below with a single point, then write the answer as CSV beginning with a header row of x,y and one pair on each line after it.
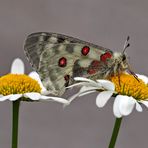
x,y
82,124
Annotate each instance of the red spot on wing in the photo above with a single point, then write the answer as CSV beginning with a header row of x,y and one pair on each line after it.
x,y
93,67
85,50
62,62
91,71
95,63
105,56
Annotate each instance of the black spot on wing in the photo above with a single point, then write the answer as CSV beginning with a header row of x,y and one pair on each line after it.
x,y
70,48
79,71
67,78
46,38
61,40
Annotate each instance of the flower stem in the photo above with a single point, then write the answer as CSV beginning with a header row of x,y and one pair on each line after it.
x,y
115,133
15,120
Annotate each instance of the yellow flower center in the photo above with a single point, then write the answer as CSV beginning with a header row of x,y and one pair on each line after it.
x,y
18,84
127,85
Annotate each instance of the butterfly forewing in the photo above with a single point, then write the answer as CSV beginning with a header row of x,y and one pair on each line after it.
x,y
59,58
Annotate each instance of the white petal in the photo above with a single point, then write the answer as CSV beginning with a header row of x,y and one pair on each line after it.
x,y
116,107
138,107
76,84
57,99
83,79
143,77
145,103
86,80
126,105
17,67
3,98
86,93
84,90
103,97
46,92
34,75
15,97
107,84
73,97
33,95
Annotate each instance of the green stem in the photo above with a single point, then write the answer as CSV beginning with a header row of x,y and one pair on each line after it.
x,y
115,133
15,120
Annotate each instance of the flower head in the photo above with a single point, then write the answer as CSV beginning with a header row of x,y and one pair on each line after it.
x,y
18,85
127,85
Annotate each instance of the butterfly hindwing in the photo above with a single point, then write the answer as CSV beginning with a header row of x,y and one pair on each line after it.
x,y
59,58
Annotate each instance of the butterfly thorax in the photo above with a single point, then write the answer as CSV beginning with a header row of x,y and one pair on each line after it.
x,y
118,63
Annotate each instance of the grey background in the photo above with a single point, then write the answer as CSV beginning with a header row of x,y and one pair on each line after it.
x,y
82,124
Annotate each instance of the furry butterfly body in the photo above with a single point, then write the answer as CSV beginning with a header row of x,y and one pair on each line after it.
x,y
59,58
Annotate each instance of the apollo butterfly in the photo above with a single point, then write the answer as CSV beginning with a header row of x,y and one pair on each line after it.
x,y
59,58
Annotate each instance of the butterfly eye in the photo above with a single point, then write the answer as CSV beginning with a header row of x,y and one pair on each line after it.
x,y
123,58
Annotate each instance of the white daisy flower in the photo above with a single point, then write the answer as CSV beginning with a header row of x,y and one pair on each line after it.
x,y
131,94
128,92
17,85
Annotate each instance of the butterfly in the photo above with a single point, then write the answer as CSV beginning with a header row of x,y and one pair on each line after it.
x,y
58,58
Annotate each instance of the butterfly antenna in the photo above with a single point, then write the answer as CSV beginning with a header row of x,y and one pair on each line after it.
x,y
119,78
132,73
126,44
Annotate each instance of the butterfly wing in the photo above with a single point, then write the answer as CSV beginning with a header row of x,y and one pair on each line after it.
x,y
59,58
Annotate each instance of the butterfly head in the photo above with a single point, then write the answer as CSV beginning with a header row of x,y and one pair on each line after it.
x,y
120,62
121,59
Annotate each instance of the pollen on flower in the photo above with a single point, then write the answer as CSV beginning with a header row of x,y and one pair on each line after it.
x,y
18,84
128,85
